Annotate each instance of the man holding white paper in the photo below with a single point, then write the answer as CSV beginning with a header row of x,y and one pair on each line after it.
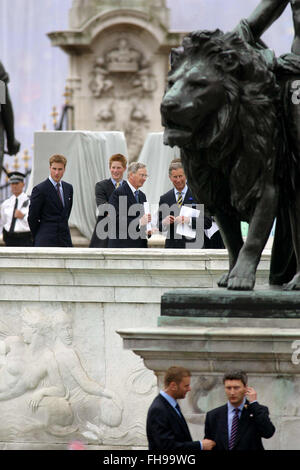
x,y
132,218
178,214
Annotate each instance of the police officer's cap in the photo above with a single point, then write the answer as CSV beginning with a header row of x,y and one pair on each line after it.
x,y
16,177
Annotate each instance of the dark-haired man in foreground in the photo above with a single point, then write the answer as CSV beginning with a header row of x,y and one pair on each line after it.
x,y
242,422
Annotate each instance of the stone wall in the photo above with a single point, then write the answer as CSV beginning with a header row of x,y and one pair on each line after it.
x,y
65,374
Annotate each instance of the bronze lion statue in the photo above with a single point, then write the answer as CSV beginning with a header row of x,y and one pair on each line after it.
x,y
222,108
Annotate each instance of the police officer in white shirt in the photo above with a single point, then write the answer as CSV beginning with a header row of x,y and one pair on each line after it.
x,y
14,213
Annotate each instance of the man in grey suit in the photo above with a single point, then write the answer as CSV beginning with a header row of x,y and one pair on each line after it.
x,y
127,206
103,191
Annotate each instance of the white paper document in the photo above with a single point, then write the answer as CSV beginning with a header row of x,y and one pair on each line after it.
x,y
147,211
209,232
186,229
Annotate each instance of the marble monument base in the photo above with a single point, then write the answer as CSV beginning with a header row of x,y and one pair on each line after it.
x,y
64,374
211,331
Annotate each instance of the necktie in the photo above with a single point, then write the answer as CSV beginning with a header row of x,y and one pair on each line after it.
x,y
179,200
234,429
59,193
179,410
14,219
117,185
136,195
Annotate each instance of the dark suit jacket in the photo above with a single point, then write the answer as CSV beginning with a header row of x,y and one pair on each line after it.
x,y
48,218
170,200
166,430
124,218
103,191
254,424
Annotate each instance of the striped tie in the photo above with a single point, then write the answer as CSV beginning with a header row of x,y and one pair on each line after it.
x,y
117,185
234,429
179,200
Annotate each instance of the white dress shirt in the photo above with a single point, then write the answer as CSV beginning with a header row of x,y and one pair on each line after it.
x,y
7,209
231,412
133,189
183,193
114,182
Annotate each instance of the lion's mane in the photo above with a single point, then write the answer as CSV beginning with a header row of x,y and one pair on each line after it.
x,y
240,142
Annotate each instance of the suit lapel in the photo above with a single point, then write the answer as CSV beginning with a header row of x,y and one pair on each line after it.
x,y
183,424
187,197
180,420
110,187
172,197
224,426
66,194
142,197
129,193
53,194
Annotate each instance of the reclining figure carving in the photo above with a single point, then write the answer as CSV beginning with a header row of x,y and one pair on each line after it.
x,y
222,108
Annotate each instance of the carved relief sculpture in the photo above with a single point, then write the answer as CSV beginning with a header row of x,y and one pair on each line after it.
x,y
75,377
30,370
43,385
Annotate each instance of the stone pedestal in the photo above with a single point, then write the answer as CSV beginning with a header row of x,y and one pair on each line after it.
x,y
213,331
59,312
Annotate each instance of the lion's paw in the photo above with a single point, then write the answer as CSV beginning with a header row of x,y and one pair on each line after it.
x,y
237,283
294,284
223,281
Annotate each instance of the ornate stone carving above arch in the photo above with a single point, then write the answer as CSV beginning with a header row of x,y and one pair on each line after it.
x,y
119,55
123,85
